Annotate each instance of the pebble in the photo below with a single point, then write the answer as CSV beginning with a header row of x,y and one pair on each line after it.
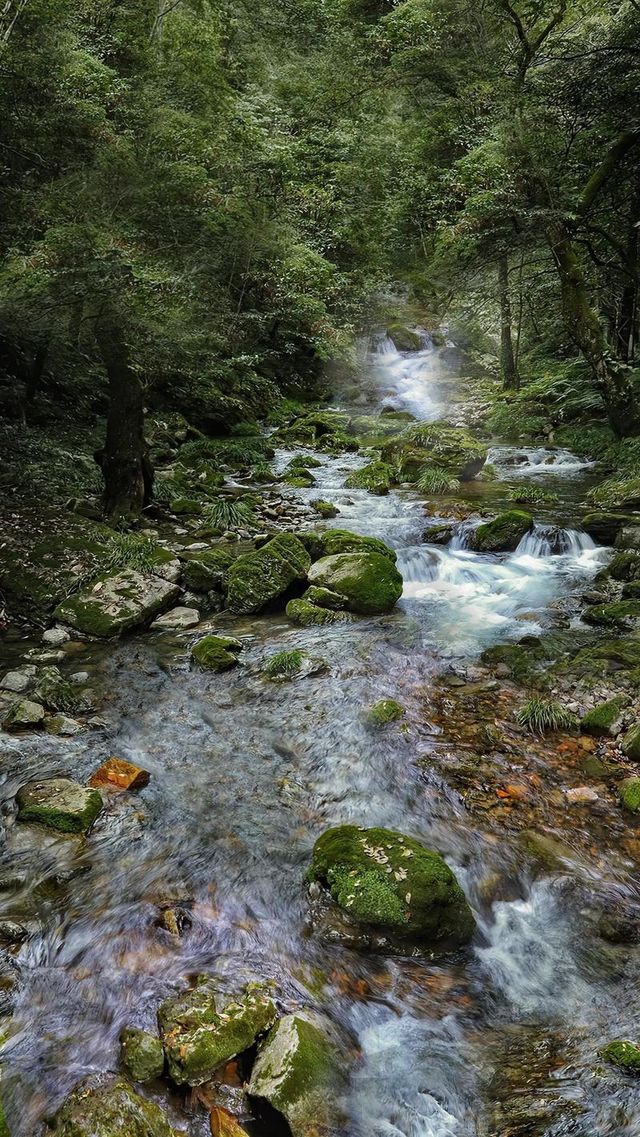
x,y
78,678
16,681
118,774
581,795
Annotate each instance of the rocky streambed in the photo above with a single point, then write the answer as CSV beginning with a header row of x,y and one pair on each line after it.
x,y
346,840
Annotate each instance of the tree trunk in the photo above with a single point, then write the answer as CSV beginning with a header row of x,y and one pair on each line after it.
x,y
584,327
128,477
510,377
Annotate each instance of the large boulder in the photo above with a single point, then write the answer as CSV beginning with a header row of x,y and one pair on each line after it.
x,y
376,477
103,1106
335,541
204,571
425,445
117,603
504,533
369,582
385,880
603,528
297,1072
404,338
197,1037
60,804
257,579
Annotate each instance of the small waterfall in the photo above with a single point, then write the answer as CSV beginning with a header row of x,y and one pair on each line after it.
x,y
523,461
409,378
552,541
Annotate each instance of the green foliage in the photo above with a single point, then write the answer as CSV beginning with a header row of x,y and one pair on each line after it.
x,y
434,481
532,495
128,550
283,664
227,513
540,715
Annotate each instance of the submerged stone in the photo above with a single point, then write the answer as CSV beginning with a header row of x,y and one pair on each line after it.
x,y
176,619
197,1038
257,579
118,774
298,1073
117,603
141,1054
386,880
370,583
216,653
59,804
103,1106
504,533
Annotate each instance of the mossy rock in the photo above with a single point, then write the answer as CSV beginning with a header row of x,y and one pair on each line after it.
x,y
59,804
624,1054
603,719
308,615
376,477
141,1054
25,714
324,598
257,579
631,743
603,527
617,493
117,603
631,591
186,506
504,533
518,659
299,478
629,790
305,461
369,582
619,614
216,653
325,509
312,429
404,338
386,711
625,567
335,541
385,880
204,571
103,1106
197,1038
298,1072
449,448
621,654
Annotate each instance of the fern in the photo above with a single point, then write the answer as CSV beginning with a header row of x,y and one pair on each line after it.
x,y
434,480
224,513
541,715
283,664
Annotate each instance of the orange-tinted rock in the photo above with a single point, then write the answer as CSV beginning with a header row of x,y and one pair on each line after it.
x,y
117,774
224,1124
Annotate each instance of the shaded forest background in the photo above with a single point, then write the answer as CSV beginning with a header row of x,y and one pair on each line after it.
x,y
203,206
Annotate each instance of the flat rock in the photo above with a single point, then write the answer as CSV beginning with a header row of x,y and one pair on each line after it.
x,y
116,604
59,803
62,725
176,619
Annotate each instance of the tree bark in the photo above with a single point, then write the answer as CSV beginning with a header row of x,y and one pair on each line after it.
x,y
510,377
584,327
126,468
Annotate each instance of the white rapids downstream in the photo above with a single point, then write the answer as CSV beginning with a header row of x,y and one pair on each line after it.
x,y
245,775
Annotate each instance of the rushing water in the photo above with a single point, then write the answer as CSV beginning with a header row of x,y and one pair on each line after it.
x,y
245,775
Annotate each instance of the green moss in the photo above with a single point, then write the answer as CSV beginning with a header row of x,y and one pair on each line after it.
x,y
107,1107
216,653
186,506
624,1054
605,527
619,614
629,790
504,533
299,479
370,583
197,1038
298,1073
625,567
141,1054
631,743
256,579
391,881
453,449
324,598
335,541
403,338
305,461
601,719
308,615
325,508
59,803
376,477
518,659
204,571
620,654
387,710
112,605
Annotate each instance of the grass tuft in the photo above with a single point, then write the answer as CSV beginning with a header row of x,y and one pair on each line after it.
x,y
532,495
434,480
283,664
541,715
224,513
128,550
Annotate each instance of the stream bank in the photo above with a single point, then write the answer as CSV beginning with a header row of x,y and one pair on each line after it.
x,y
502,1037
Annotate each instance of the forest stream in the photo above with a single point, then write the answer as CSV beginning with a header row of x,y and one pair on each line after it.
x,y
495,1039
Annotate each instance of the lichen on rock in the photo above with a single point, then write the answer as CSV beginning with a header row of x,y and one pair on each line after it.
x,y
117,603
59,803
103,1106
